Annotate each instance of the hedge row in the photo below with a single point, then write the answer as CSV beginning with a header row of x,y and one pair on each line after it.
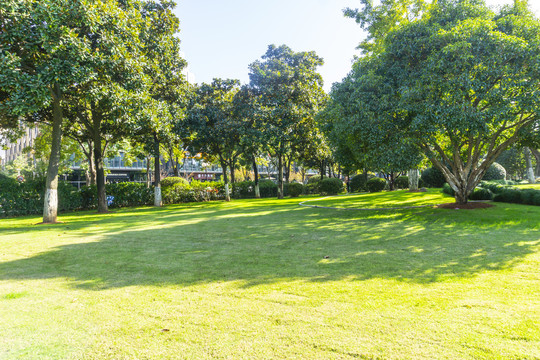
x,y
491,190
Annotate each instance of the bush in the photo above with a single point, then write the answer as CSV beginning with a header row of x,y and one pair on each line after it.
x,y
528,196
493,186
447,189
358,183
481,194
495,172
243,190
376,184
432,177
295,189
130,194
311,189
171,180
509,195
268,188
331,186
69,197
314,179
402,182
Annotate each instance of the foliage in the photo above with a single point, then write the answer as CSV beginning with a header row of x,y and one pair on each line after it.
x,y
130,194
432,177
448,190
509,195
459,83
314,179
331,186
376,184
480,193
495,172
358,183
268,188
243,190
196,191
295,189
171,180
402,182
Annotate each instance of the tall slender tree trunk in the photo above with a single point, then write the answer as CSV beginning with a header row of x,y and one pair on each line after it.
x,y
176,170
91,164
98,159
50,206
414,176
536,154
225,180
530,171
256,178
157,174
280,176
288,176
148,171
323,168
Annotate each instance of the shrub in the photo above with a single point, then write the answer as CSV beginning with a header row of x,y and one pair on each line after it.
x,y
268,188
171,180
314,179
295,189
508,195
432,177
358,183
331,186
447,189
310,189
130,194
495,172
494,187
376,184
481,194
402,182
243,190
69,197
88,196
528,196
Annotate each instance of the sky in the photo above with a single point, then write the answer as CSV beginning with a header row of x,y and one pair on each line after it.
x,y
219,39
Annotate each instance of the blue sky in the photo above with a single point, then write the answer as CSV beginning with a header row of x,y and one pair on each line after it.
x,y
221,38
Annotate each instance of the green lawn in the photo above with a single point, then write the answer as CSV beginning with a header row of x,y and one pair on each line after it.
x,y
268,279
385,199
529,186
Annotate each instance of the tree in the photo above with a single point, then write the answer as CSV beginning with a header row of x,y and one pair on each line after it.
x,y
291,93
211,118
460,84
42,56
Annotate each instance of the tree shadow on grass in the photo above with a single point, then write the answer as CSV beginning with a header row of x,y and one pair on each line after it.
x,y
258,244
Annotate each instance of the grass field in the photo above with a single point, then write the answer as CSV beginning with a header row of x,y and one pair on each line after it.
x,y
385,199
268,279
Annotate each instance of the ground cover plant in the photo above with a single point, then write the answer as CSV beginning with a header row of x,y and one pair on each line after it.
x,y
267,279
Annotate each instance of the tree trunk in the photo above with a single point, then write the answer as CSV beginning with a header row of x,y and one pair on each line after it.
x,y
323,169
91,165
148,171
225,180
391,181
536,154
288,176
157,174
280,176
176,170
50,206
233,176
414,176
256,178
98,159
530,170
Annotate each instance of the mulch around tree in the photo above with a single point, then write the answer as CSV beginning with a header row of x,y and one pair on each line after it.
x,y
467,206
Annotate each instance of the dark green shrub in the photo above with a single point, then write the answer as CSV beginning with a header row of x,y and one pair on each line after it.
x,y
508,195
376,184
130,194
528,196
358,183
69,197
171,180
268,188
447,189
331,186
314,179
432,177
495,172
481,194
402,182
243,190
494,187
311,189
88,196
295,189
537,198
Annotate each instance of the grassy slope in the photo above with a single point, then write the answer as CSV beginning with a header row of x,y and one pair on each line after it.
x,y
250,280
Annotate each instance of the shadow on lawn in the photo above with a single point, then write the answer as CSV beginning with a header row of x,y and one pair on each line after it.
x,y
256,244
